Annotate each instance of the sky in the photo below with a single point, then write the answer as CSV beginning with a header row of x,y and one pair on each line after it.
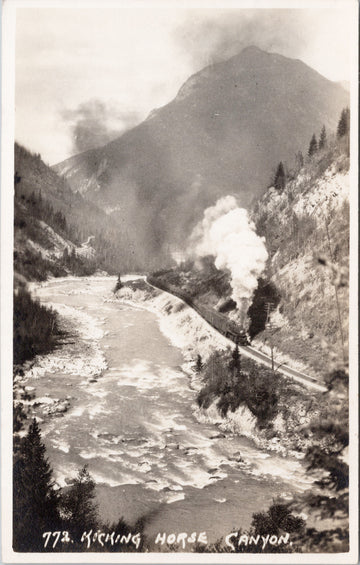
x,y
86,74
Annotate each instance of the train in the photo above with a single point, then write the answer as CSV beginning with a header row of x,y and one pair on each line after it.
x,y
220,322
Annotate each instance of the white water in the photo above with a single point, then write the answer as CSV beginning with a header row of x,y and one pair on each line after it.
x,y
131,418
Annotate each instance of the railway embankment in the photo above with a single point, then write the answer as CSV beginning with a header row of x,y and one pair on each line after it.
x,y
238,336
277,428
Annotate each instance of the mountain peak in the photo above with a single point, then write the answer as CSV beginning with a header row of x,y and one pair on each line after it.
x,y
250,52
196,79
252,49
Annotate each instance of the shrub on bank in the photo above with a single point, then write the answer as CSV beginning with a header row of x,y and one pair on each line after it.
x,y
233,381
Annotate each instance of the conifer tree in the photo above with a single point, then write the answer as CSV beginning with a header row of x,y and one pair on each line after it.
x,y
280,179
199,365
65,256
78,506
34,498
344,123
322,140
299,158
313,147
118,285
235,363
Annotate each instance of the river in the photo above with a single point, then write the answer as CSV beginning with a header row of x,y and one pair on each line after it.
x,y
130,417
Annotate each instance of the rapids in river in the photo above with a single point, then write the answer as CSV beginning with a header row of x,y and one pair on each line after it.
x,y
129,415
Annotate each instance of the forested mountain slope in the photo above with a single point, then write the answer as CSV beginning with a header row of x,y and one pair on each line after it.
x,y
57,231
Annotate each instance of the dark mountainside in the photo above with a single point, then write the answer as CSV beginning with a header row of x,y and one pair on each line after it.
x,y
57,231
223,134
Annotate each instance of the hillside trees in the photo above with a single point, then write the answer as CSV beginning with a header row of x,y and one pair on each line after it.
x,y
76,264
46,519
199,365
299,160
313,146
231,382
78,507
343,127
33,266
280,177
36,328
41,209
294,234
343,130
322,139
35,502
42,196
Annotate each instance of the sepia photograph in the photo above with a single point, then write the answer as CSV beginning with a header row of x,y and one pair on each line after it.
x,y
179,281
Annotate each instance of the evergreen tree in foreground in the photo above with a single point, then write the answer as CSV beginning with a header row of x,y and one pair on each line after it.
x,y
78,506
39,509
34,498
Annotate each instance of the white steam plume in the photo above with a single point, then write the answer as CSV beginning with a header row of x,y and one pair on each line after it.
x,y
227,233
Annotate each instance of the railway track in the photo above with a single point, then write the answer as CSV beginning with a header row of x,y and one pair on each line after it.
x,y
214,319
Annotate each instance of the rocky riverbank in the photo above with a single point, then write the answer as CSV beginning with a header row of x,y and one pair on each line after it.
x,y
188,331
79,353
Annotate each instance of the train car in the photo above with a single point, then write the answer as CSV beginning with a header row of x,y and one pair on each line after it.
x,y
220,322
